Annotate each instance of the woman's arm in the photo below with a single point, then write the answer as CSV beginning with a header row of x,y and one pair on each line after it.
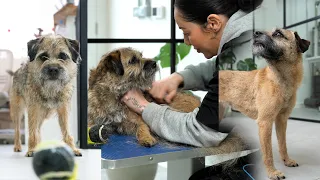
x,y
197,77
179,127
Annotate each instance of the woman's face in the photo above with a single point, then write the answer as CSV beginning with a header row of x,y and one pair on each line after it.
x,y
202,41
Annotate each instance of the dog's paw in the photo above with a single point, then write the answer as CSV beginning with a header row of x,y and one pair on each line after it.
x,y
17,148
276,175
77,152
147,141
291,163
29,154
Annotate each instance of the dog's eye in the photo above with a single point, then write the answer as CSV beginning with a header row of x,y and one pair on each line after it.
x,y
44,57
63,56
278,34
133,60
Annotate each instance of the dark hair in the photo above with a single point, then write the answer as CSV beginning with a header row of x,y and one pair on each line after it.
x,y
198,10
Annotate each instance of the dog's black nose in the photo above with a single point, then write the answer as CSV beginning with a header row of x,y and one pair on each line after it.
x,y
150,65
257,33
153,64
53,71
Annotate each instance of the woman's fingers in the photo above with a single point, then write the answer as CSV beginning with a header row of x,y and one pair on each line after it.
x,y
170,96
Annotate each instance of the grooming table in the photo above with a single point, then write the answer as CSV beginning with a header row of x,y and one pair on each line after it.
x,y
183,161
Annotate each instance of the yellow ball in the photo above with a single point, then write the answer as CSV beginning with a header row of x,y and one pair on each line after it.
x,y
53,159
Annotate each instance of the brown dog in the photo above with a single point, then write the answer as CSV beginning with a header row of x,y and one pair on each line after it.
x,y
43,86
118,72
269,94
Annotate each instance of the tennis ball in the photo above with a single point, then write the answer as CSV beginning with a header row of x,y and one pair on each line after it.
x,y
54,160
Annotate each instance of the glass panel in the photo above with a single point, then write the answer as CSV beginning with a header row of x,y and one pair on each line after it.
x,y
299,10
308,95
118,19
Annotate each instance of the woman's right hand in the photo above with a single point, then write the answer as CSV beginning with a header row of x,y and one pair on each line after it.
x,y
163,91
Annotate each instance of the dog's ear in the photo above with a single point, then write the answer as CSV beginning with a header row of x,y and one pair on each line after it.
x,y
33,48
302,44
113,63
74,48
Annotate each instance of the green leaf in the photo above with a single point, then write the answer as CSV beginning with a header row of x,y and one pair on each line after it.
x,y
165,48
250,63
165,60
249,60
183,50
164,56
242,66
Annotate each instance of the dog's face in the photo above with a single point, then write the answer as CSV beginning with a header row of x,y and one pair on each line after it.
x,y
126,66
279,44
53,59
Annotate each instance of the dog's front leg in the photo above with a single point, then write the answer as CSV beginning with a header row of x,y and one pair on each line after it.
x,y
281,128
265,134
64,125
34,118
144,136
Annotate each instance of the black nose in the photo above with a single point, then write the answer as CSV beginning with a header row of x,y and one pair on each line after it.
x,y
257,33
153,64
150,65
53,71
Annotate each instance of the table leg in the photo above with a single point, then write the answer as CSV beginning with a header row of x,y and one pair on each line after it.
x,y
183,169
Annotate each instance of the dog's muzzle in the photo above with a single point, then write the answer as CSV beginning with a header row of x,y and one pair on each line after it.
x,y
265,46
149,65
53,72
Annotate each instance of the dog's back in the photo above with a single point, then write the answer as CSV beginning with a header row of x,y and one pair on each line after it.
x,y
19,79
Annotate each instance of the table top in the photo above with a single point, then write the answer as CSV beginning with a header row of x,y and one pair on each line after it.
x,y
124,151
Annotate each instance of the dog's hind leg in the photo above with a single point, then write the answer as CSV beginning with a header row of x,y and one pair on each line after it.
x,y
265,133
281,129
17,108
64,126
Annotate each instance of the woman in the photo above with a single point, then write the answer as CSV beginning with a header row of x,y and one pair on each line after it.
x,y
212,27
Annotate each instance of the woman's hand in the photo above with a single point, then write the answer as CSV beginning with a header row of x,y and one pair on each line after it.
x,y
135,100
164,90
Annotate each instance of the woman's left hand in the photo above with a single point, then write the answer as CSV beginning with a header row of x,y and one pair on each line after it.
x,y
135,100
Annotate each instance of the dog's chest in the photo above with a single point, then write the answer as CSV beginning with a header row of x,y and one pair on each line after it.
x,y
115,113
286,94
52,100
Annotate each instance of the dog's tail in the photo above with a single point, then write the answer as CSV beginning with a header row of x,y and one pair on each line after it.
x,y
10,72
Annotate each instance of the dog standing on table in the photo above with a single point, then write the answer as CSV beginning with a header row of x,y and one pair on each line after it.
x,y
118,72
43,86
268,95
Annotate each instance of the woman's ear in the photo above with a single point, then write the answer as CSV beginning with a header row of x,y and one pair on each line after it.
x,y
214,23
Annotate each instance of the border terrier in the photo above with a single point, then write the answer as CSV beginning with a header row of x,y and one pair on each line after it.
x,y
43,86
268,95
118,72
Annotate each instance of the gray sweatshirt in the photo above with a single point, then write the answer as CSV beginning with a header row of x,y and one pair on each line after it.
x,y
184,127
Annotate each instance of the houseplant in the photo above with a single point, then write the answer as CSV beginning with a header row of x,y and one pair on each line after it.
x,y
182,50
228,59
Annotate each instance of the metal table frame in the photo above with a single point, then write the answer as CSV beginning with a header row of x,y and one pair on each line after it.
x,y
181,164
